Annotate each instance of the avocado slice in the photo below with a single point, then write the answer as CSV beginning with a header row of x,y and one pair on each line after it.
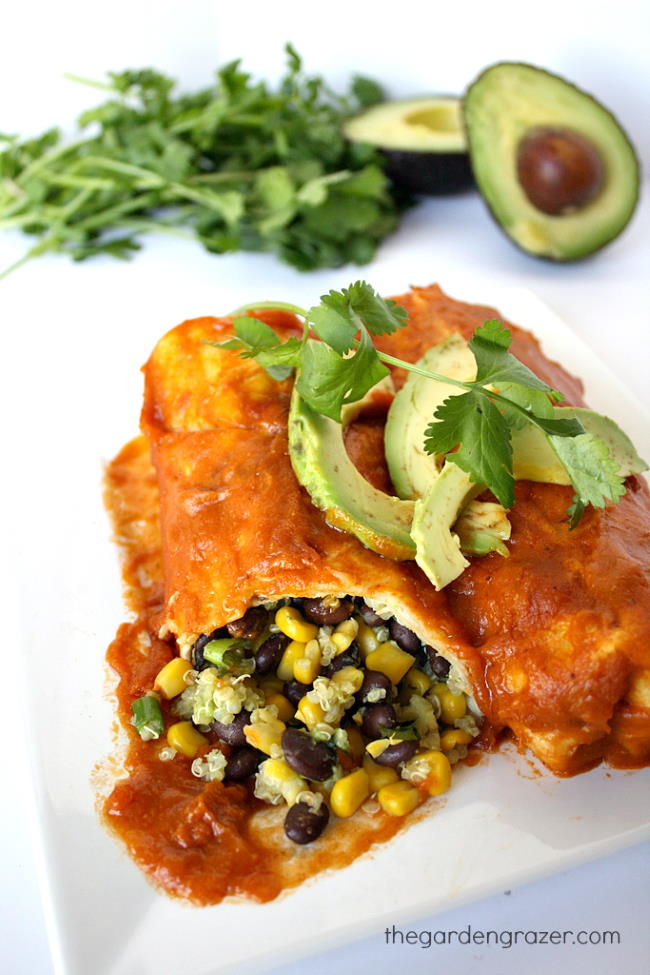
x,y
483,527
423,142
412,471
323,467
557,171
438,551
535,460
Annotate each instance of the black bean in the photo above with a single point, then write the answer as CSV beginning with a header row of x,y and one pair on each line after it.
x,y
369,616
313,759
304,825
233,733
250,625
242,764
198,660
439,665
377,717
396,754
349,658
403,637
269,654
373,680
295,691
318,611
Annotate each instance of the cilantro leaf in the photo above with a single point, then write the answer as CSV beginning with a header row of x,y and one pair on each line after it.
x,y
327,381
495,364
367,91
474,424
341,314
257,340
255,333
534,400
381,316
592,470
332,320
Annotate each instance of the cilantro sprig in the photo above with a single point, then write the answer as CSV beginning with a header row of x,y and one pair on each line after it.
x,y
238,165
471,428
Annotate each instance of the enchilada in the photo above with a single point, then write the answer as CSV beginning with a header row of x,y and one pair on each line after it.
x,y
551,642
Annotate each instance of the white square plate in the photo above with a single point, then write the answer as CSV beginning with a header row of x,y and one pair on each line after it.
x,y
77,393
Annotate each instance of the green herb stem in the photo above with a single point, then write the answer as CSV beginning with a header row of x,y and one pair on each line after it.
x,y
412,367
279,305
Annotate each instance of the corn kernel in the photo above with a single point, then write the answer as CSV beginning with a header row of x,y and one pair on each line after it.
x,y
349,792
291,623
344,634
357,746
388,659
184,737
379,775
377,747
293,652
452,706
309,712
288,782
285,708
454,738
398,798
417,681
170,681
350,675
366,639
436,769
307,668
264,734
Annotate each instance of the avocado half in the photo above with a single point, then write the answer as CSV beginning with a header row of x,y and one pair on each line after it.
x,y
422,140
557,171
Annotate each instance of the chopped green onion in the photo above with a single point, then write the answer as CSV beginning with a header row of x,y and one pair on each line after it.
x,y
403,732
220,653
229,654
147,717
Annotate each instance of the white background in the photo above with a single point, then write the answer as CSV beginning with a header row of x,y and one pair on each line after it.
x,y
415,48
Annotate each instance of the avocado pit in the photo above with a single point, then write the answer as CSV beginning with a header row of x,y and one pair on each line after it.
x,y
559,170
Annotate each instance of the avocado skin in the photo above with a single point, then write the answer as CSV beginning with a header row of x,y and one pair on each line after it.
x,y
422,158
428,173
476,164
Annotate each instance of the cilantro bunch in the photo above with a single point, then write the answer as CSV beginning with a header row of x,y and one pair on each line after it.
x,y
238,165
472,428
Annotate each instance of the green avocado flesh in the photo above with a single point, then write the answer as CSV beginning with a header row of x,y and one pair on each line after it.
x,y
507,103
535,460
323,467
411,469
417,124
438,550
422,139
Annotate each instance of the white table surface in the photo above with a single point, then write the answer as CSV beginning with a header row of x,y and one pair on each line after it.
x,y
607,301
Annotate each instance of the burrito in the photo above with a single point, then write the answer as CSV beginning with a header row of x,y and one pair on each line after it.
x,y
289,684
